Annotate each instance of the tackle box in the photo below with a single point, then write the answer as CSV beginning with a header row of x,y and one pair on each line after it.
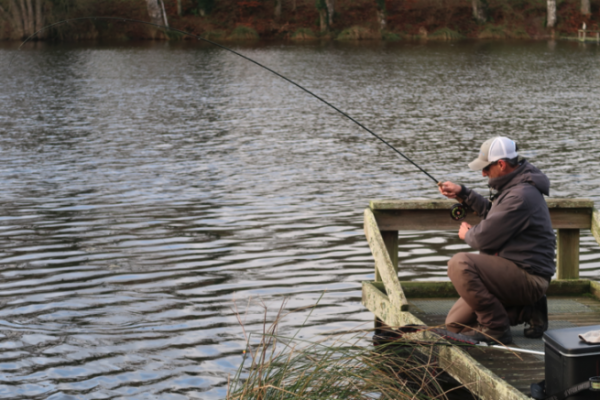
x,y
570,361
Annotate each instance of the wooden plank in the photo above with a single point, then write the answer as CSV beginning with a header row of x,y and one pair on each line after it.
x,y
596,224
595,289
435,204
567,254
439,219
379,304
570,287
441,289
480,380
383,263
390,238
395,215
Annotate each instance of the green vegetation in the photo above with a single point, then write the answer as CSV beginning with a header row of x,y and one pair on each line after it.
x,y
358,33
445,34
242,32
493,32
304,34
391,37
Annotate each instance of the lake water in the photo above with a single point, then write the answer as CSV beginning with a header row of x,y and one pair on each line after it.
x,y
155,194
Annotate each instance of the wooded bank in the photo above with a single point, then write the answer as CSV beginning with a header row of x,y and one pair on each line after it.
x,y
303,19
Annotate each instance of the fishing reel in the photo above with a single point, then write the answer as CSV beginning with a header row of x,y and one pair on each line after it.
x,y
458,211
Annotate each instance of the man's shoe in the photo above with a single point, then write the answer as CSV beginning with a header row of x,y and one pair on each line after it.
x,y
536,318
489,336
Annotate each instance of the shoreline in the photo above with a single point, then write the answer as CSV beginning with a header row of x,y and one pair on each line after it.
x,y
304,21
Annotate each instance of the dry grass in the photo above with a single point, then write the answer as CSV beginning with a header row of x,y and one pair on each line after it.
x,y
359,33
304,34
335,367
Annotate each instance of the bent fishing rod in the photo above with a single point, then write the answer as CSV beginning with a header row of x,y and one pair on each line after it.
x,y
457,212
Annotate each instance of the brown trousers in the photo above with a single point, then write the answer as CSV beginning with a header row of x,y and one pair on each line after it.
x,y
492,291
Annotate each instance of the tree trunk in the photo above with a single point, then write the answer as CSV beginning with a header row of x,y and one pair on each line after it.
x,y
293,5
16,20
585,7
551,18
330,10
179,8
277,9
156,13
381,14
323,20
39,16
25,16
164,13
479,11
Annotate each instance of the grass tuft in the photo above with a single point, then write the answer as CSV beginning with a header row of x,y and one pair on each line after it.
x,y
342,366
391,37
493,32
304,34
359,33
445,34
242,32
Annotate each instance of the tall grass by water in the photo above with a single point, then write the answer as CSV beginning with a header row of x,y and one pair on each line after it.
x,y
339,366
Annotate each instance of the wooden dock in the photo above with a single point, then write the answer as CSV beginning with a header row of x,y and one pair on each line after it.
x,y
582,35
488,373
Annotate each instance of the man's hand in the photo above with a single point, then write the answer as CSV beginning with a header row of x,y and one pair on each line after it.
x,y
464,228
449,189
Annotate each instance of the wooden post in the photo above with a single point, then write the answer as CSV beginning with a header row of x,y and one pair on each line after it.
x,y
390,238
567,254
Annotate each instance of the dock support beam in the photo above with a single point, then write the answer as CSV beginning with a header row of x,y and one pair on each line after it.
x,y
567,254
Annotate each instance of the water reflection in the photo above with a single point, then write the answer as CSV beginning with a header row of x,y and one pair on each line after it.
x,y
146,187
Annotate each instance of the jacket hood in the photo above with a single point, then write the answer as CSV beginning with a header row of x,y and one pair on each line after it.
x,y
525,173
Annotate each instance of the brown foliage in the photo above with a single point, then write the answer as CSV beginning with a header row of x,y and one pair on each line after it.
x,y
402,17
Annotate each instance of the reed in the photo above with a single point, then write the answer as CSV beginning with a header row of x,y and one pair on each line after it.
x,y
337,366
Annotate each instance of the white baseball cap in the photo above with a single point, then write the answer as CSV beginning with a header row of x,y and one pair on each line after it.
x,y
493,150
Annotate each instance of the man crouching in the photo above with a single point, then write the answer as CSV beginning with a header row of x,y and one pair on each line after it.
x,y
505,284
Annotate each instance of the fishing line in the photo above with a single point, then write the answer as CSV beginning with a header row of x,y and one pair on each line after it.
x,y
245,58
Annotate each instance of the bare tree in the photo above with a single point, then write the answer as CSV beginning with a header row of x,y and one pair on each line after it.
x,y
156,11
585,7
278,9
479,10
551,18
381,14
330,10
25,16
323,20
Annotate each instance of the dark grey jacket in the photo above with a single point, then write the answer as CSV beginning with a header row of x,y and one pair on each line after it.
x,y
516,224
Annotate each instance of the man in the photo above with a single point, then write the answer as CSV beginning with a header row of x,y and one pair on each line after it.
x,y
506,282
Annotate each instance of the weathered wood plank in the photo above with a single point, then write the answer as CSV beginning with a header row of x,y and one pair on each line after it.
x,y
595,289
464,368
394,215
419,219
379,304
567,254
383,262
596,224
434,204
570,287
390,238
441,289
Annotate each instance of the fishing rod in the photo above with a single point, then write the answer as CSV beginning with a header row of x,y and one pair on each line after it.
x,y
458,210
